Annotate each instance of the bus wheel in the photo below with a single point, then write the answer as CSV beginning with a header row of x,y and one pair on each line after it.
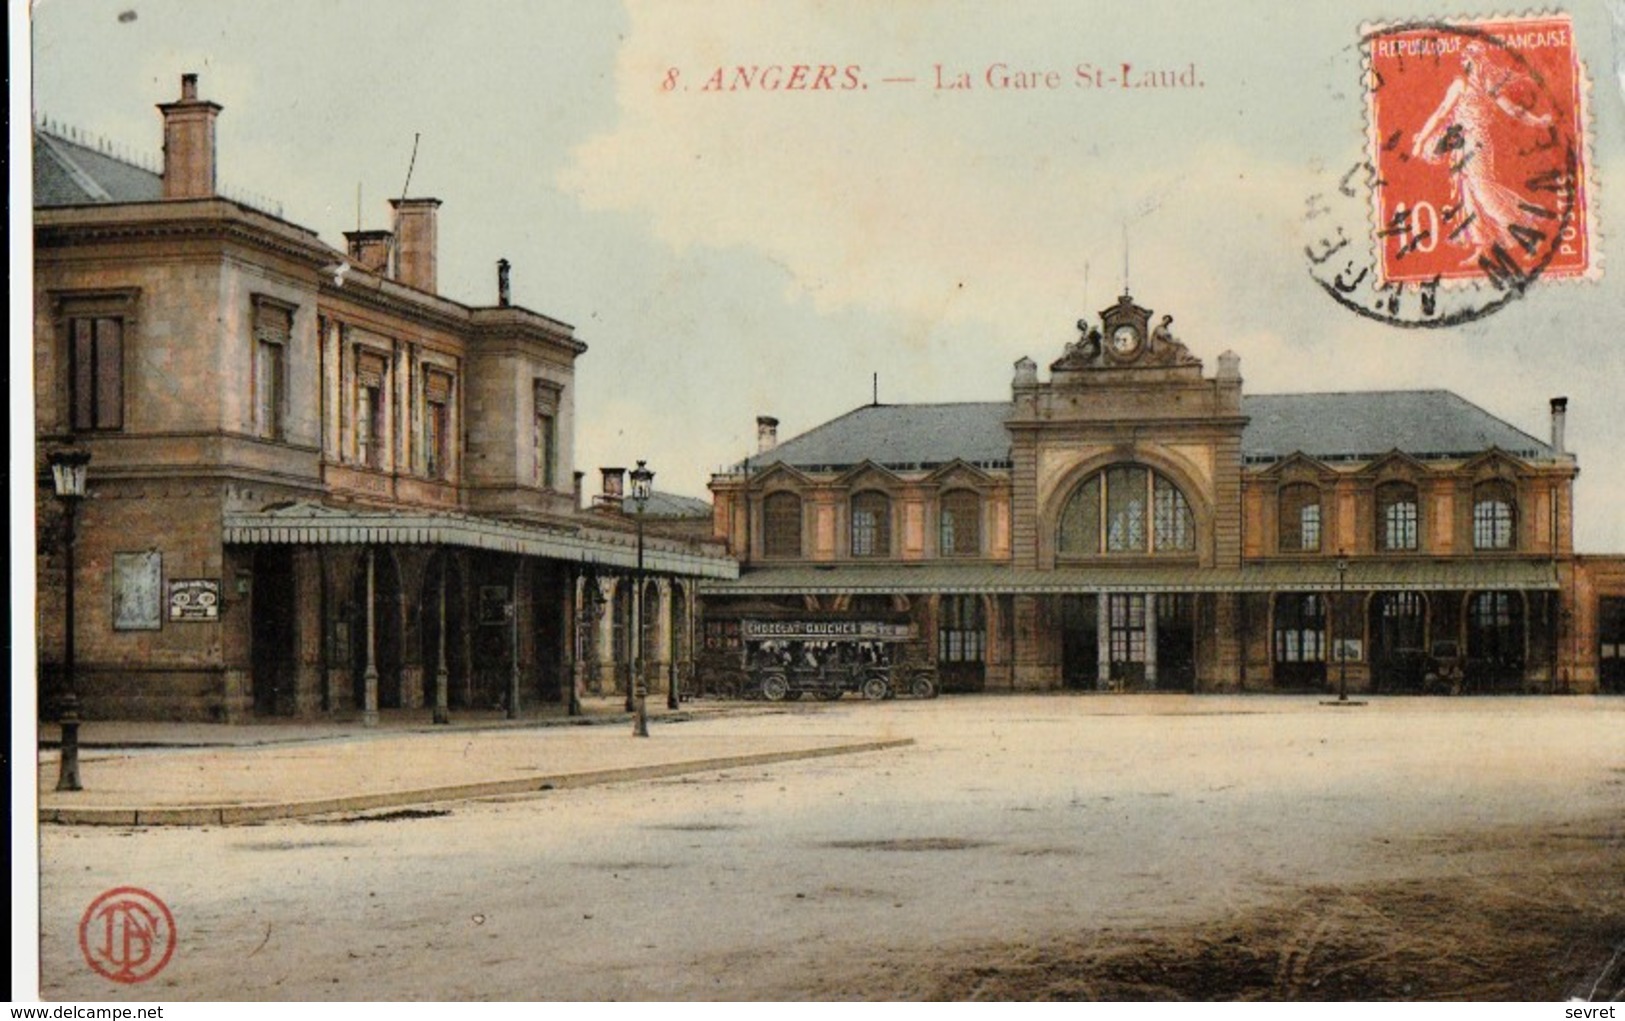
x,y
775,688
923,687
874,689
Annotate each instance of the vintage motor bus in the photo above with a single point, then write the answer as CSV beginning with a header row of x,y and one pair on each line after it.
x,y
786,659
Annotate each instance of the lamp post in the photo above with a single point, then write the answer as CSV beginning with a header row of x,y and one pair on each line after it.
x,y
68,477
1342,645
642,481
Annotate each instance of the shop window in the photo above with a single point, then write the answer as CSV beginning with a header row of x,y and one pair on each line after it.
x,y
1495,636
1126,509
1494,515
961,630
960,524
273,335
1299,518
1300,628
1397,517
781,519
871,525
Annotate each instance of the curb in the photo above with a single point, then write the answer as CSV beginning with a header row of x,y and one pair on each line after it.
x,y
233,815
353,731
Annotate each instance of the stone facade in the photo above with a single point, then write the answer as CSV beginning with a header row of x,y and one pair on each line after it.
x,y
316,485
1142,525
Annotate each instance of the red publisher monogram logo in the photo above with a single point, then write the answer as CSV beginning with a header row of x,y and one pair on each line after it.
x,y
127,935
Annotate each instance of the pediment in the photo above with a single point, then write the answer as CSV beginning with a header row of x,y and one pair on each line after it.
x,y
868,474
1495,463
1299,467
1396,464
780,476
960,473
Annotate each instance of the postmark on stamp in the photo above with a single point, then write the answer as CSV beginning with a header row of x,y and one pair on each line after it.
x,y
1474,179
127,935
1475,132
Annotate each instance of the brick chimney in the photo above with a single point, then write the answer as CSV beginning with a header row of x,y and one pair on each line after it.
x,y
415,242
189,144
504,293
1560,411
767,433
369,249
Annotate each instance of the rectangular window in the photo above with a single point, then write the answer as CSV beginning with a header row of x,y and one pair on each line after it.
x,y
1309,525
864,527
273,331
1126,627
370,408
1400,527
544,434
437,388
96,372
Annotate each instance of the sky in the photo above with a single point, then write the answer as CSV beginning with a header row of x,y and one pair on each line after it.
x,y
728,253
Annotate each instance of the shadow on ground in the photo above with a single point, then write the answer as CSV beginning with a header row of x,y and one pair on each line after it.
x,y
1531,917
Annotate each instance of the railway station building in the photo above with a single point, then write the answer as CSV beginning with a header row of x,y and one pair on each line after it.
x,y
317,486
1131,521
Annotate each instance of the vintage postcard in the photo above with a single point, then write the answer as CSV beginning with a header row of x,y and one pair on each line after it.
x,y
722,501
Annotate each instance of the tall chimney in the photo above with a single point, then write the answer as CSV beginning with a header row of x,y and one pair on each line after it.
x,y
767,433
1560,409
504,296
576,487
415,236
189,144
369,249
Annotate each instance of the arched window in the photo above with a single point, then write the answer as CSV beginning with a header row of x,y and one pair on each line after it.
x,y
1300,518
1398,525
781,525
959,524
1126,509
871,525
1495,515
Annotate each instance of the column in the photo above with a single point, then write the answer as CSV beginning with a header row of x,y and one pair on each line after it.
x,y
1151,641
369,676
1103,641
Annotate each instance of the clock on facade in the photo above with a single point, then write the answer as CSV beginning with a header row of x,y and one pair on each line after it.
x,y
1125,341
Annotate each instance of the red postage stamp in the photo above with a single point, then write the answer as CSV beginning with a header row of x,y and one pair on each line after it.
x,y
127,935
1477,137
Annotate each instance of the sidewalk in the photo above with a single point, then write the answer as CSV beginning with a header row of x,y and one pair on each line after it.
x,y
193,774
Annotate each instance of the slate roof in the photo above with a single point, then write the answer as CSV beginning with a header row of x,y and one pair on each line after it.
x,y
670,505
70,174
1327,426
902,437
1356,426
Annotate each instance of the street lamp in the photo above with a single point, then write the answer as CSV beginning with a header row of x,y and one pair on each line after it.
x,y
68,476
642,482
1342,645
